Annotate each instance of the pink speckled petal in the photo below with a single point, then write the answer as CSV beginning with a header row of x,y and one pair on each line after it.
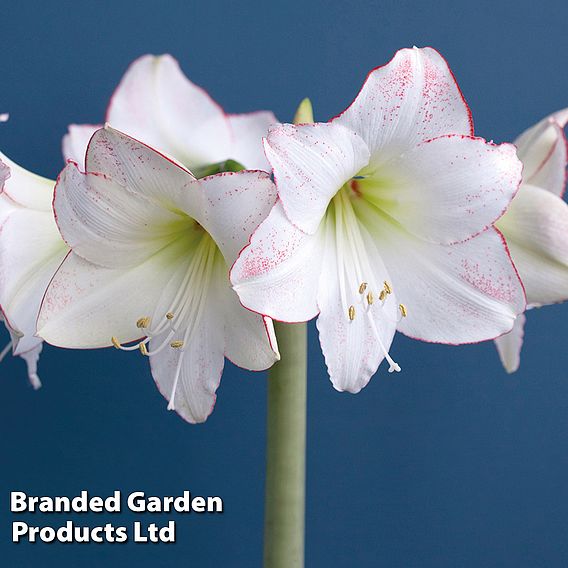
x,y
278,274
543,151
311,162
76,140
105,222
230,206
354,349
460,293
248,131
139,167
411,99
509,345
450,188
157,104
536,229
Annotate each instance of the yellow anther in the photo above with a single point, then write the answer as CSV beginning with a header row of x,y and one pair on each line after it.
x,y
177,344
382,295
115,342
370,298
403,311
170,316
362,287
143,323
388,288
351,313
143,349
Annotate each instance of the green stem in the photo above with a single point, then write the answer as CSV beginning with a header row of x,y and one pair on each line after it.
x,y
286,451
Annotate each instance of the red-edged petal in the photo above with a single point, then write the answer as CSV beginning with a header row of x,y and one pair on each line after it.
x,y
460,293
311,162
230,206
447,189
278,274
411,99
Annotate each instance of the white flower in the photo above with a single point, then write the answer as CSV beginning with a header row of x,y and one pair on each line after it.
x,y
156,103
151,249
384,212
536,225
31,249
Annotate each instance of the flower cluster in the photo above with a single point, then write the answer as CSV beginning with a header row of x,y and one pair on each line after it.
x,y
182,232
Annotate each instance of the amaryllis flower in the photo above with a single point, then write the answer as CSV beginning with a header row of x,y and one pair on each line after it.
x,y
31,249
151,249
385,221
536,225
157,104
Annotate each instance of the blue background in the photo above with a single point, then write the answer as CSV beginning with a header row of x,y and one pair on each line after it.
x,y
451,463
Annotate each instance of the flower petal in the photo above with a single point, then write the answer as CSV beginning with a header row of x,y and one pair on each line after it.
x,y
248,131
509,345
411,99
86,304
278,274
249,338
139,167
353,349
25,188
231,206
76,140
200,366
105,222
544,152
450,188
31,250
461,293
536,229
4,173
311,162
156,103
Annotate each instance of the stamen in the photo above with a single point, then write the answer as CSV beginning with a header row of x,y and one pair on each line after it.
x,y
170,316
403,311
115,342
177,344
143,323
143,349
165,343
340,261
349,235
